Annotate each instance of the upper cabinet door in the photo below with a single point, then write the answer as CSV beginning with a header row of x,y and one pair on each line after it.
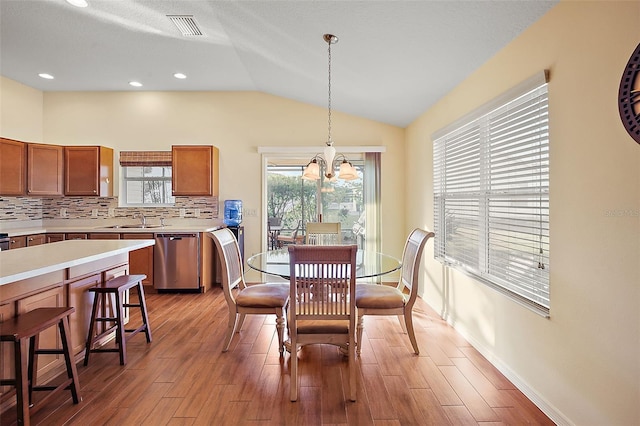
x,y
88,171
44,169
194,170
13,167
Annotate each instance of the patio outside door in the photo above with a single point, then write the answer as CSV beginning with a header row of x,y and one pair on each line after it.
x,y
296,200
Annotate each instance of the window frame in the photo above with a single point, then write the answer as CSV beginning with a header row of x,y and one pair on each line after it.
x,y
164,179
493,200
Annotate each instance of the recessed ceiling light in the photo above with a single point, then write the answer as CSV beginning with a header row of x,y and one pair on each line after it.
x,y
135,83
45,75
78,3
180,75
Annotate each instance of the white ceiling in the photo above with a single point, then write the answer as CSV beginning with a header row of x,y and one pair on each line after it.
x,y
394,58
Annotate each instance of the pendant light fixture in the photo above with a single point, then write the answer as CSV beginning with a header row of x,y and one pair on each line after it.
x,y
326,162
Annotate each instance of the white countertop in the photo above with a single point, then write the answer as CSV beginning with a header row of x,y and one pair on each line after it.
x,y
172,228
28,262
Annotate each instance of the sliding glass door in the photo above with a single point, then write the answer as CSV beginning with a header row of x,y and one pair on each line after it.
x,y
296,201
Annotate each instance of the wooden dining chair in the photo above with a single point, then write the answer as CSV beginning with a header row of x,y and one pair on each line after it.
x,y
321,310
274,225
323,233
294,238
261,299
375,299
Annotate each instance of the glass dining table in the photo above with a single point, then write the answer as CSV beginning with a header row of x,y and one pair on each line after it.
x,y
369,264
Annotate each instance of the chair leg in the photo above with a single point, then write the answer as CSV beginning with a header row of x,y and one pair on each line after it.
x,y
32,368
408,320
360,327
293,384
92,323
240,322
352,366
280,330
72,372
231,328
22,381
403,324
120,333
143,311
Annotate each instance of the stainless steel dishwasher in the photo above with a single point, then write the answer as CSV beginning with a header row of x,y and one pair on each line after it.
x,y
176,262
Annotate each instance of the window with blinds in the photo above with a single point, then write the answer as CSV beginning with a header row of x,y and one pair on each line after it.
x,y
491,194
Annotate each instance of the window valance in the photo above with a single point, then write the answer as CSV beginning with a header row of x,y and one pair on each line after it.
x,y
145,158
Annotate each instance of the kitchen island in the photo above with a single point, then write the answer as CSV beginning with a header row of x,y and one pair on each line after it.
x,y
54,275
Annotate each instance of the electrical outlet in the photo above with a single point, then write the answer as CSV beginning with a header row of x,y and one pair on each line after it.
x,y
112,212
183,212
196,212
94,212
63,212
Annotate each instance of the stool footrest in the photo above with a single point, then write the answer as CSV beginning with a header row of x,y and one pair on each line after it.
x,y
49,351
104,350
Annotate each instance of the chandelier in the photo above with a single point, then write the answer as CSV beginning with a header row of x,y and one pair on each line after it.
x,y
328,161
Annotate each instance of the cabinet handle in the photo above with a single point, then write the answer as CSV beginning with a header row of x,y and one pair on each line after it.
x,y
30,238
94,191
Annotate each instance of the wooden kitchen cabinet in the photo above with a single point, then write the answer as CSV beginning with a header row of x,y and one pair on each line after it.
x,y
76,236
54,238
13,167
45,169
82,300
7,368
52,298
104,236
26,241
36,240
195,170
141,260
88,171
17,242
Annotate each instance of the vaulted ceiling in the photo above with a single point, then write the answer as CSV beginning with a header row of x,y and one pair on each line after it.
x,y
394,58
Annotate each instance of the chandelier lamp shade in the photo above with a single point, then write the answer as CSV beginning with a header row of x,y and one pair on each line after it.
x,y
328,161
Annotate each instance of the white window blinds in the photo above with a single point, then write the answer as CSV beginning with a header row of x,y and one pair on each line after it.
x,y
491,194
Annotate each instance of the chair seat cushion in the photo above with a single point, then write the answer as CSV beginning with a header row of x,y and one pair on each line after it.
x,y
376,296
272,295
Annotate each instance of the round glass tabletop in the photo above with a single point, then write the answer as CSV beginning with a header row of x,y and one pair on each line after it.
x,y
368,264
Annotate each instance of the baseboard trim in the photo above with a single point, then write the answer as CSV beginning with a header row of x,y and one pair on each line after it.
x,y
552,412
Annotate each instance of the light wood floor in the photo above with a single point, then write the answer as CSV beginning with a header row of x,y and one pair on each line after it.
x,y
183,378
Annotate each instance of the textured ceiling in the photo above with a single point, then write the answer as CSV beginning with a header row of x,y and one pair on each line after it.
x,y
394,58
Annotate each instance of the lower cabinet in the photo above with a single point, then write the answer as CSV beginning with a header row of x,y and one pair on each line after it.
x,y
6,362
76,236
54,238
141,261
49,338
104,236
82,299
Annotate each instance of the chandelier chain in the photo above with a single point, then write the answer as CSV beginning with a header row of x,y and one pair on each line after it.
x,y
329,141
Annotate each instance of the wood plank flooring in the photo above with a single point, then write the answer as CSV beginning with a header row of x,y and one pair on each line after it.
x,y
183,378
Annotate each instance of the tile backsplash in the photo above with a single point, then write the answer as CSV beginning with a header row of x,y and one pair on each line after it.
x,y
34,208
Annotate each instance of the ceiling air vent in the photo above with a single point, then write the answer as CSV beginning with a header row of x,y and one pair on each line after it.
x,y
186,25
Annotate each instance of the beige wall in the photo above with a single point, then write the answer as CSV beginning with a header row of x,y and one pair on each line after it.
x,y
235,122
20,111
584,362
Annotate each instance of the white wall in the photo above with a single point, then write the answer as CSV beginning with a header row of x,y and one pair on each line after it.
x,y
20,111
235,122
583,364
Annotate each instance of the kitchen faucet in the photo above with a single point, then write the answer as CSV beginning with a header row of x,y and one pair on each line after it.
x,y
143,220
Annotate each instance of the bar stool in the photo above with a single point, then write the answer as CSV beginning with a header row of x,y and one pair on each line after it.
x,y
116,287
23,331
